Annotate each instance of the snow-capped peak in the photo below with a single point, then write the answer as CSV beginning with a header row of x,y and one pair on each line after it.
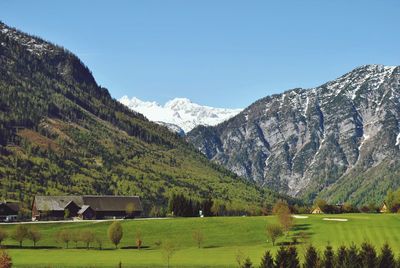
x,y
180,111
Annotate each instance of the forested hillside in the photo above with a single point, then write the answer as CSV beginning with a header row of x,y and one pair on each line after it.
x,y
61,133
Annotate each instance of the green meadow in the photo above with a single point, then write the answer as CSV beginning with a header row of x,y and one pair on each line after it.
x,y
224,237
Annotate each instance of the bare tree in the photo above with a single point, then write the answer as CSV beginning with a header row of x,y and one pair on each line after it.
x,y
138,239
168,249
87,237
3,236
284,215
274,231
20,234
34,235
198,237
64,236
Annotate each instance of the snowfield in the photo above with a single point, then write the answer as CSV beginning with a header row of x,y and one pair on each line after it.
x,y
180,112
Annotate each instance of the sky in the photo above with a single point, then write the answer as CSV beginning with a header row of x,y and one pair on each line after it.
x,y
216,53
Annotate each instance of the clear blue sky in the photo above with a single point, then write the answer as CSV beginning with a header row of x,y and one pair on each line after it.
x,y
218,53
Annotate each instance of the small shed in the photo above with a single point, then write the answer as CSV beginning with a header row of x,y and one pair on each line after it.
x,y
86,213
383,209
317,210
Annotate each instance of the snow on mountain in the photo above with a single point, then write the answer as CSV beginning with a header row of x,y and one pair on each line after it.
x,y
180,112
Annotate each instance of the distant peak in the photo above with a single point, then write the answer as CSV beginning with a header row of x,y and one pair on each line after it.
x,y
180,111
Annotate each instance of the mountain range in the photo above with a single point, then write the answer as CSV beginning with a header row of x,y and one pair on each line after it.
x,y
339,141
180,114
61,133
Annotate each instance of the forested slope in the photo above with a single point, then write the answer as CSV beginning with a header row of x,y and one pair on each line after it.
x,y
61,133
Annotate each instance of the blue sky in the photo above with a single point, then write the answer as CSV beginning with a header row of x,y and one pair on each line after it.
x,y
217,53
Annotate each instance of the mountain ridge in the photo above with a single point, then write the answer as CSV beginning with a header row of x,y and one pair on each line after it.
x,y
287,139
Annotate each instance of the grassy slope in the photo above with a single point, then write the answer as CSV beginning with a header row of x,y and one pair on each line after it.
x,y
224,236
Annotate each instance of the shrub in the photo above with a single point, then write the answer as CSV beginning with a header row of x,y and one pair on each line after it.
x,y
5,260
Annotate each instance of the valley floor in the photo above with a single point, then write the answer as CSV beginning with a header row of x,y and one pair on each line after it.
x,y
224,237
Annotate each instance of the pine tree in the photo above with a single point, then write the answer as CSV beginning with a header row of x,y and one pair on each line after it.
x,y
311,258
341,256
293,260
247,263
281,258
267,261
352,259
329,258
367,256
386,258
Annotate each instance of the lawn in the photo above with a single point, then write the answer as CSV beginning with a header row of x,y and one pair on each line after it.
x,y
224,237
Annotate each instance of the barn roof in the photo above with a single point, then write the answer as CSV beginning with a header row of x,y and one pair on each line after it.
x,y
47,203
96,202
14,206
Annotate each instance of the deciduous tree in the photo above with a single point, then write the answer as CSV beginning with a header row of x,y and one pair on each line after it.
x,y
20,234
115,233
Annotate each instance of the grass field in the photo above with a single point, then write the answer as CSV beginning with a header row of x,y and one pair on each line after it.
x,y
224,237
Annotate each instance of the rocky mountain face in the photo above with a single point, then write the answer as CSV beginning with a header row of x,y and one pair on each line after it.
x,y
180,113
339,141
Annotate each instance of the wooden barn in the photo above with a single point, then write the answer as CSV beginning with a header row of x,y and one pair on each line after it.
x,y
9,211
85,207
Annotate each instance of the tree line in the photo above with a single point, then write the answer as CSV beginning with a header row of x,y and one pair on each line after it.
x,y
352,256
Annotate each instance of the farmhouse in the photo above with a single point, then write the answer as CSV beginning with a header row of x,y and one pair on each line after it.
x,y
85,207
9,211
